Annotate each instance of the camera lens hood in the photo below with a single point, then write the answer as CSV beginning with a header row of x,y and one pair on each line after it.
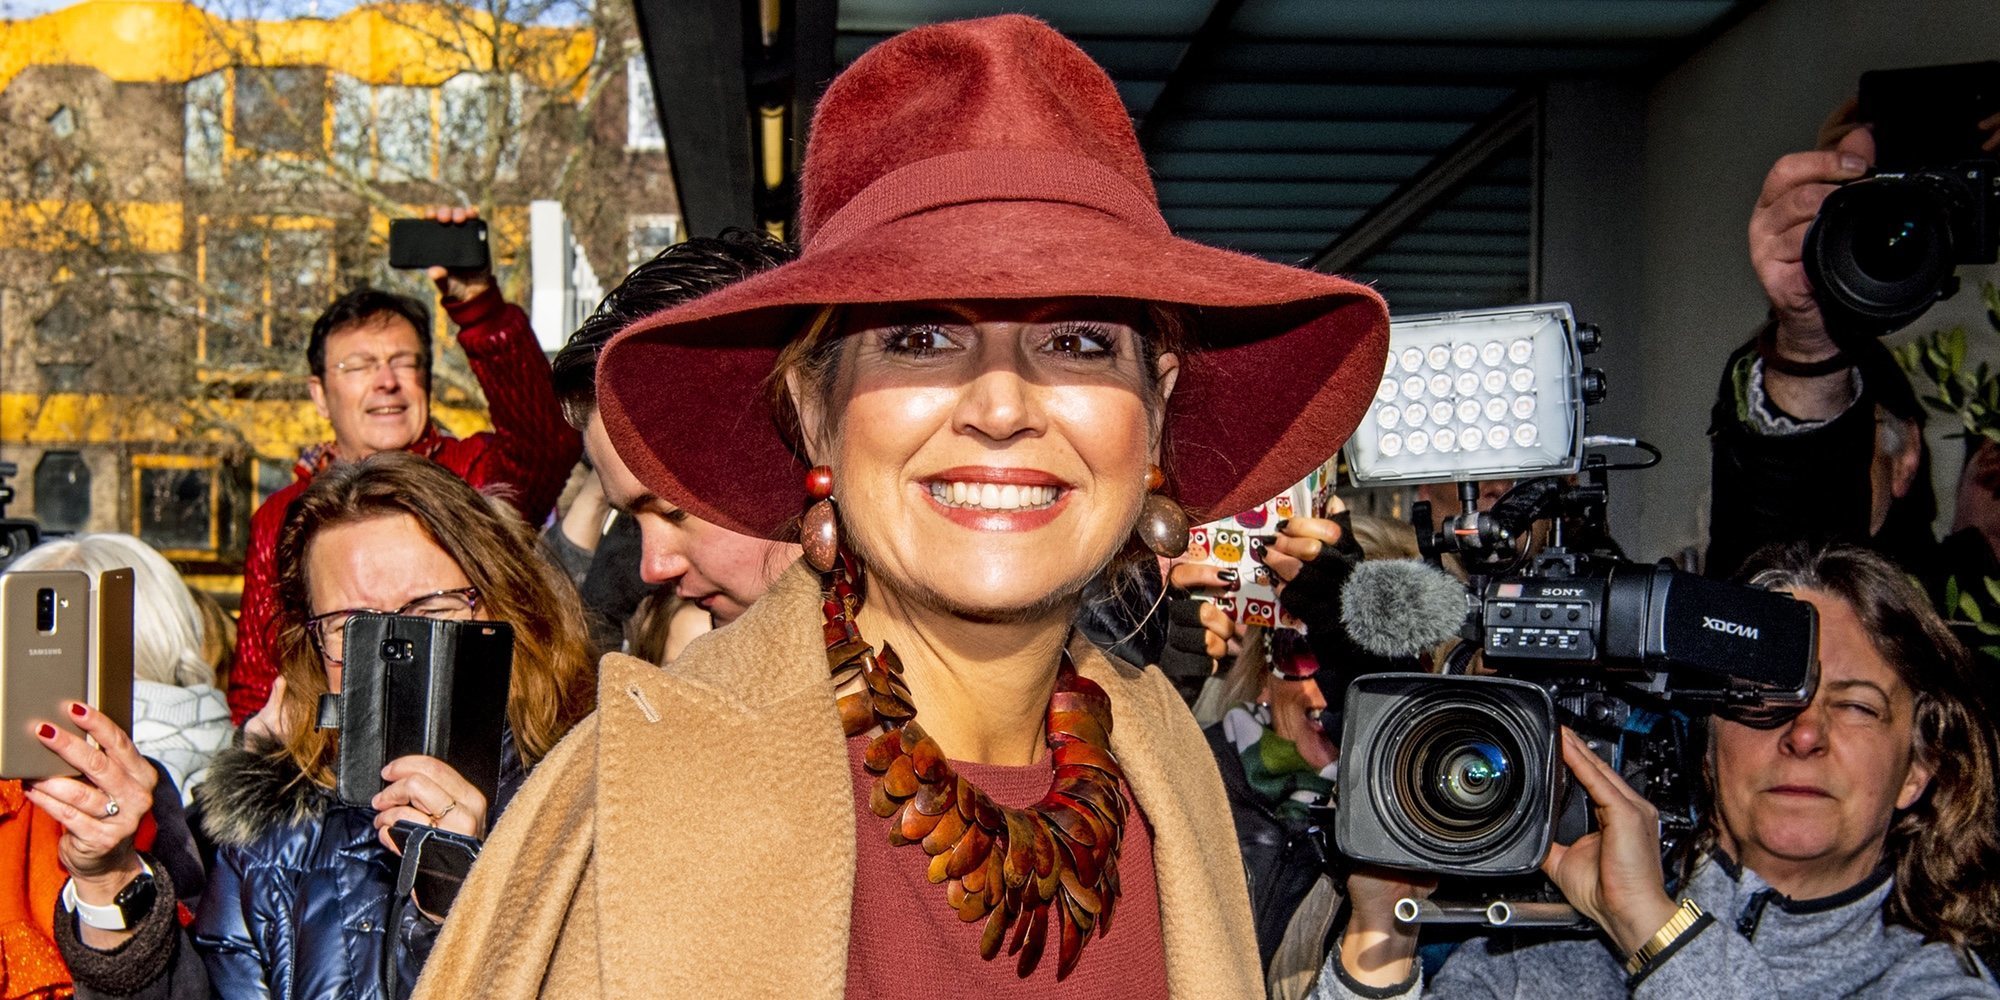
x,y
1879,254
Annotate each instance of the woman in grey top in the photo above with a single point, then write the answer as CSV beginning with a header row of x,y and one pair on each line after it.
x,y
1850,851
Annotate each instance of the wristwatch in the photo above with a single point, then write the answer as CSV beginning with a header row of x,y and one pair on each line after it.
x,y
1684,918
127,908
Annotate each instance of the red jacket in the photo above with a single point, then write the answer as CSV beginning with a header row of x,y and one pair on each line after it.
x,y
525,459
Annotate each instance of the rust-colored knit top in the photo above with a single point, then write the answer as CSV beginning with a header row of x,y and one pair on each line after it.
x,y
907,942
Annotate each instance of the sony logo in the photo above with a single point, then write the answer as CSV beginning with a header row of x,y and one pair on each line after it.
x,y
1727,627
1562,591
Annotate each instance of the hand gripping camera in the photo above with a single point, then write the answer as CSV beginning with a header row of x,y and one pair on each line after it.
x,y
1885,248
1462,775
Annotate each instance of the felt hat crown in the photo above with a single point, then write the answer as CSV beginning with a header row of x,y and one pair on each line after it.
x,y
991,159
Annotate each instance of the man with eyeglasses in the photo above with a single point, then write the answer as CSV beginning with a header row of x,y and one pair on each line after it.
x,y
370,361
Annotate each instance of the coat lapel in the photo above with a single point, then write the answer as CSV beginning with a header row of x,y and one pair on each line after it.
x,y
1205,919
725,847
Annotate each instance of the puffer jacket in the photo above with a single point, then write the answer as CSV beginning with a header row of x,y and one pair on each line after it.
x,y
301,900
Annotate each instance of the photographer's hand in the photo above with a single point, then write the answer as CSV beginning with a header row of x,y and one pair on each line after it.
x,y
1613,876
426,791
1790,200
95,847
461,285
1376,949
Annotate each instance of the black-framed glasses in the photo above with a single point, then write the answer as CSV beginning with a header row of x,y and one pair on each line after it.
x,y
328,632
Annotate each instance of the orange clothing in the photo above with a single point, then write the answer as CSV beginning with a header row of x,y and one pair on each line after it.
x,y
31,879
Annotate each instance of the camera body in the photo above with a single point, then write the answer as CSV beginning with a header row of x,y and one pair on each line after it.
x,y
1463,775
1886,247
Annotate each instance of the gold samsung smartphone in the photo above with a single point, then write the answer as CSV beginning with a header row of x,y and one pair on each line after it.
x,y
110,689
45,663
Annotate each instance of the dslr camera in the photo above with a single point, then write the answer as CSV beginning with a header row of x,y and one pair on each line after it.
x,y
1886,247
1462,775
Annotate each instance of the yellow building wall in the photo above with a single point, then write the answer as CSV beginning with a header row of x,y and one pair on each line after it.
x,y
163,41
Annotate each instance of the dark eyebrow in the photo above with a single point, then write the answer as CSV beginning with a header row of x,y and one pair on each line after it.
x,y
1871,685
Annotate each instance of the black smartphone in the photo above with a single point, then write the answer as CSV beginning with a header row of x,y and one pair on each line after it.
x,y
1929,116
421,243
413,685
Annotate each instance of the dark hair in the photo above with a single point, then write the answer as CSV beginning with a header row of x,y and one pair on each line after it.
x,y
358,307
1945,849
677,274
554,680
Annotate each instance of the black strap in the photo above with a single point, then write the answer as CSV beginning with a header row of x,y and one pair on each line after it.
x,y
1767,349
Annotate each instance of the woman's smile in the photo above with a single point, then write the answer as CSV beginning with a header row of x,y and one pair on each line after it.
x,y
987,498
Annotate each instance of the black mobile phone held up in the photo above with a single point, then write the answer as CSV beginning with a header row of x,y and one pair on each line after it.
x,y
420,243
412,685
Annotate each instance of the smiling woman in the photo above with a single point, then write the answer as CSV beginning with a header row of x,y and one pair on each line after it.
x,y
991,372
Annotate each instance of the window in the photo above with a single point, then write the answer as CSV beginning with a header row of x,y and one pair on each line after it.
x,y
263,281
403,133
469,103
63,122
175,504
642,115
279,109
647,235
62,491
203,146
62,325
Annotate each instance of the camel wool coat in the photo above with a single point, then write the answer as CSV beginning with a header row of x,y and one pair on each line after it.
x,y
696,836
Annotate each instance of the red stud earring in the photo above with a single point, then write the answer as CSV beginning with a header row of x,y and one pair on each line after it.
x,y
819,533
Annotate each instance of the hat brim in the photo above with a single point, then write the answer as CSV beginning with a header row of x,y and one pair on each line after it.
x,y
1287,362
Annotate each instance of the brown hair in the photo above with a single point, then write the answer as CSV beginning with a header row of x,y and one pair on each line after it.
x,y
554,681
1945,849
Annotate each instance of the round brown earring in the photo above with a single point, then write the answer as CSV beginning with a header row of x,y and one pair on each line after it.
x,y
1163,524
819,533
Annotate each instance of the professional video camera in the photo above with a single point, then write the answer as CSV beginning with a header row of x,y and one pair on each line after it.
x,y
1462,775
1885,247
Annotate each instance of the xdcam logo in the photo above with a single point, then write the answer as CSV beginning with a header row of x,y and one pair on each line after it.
x,y
1728,628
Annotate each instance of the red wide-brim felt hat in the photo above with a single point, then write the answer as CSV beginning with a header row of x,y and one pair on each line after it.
x,y
991,159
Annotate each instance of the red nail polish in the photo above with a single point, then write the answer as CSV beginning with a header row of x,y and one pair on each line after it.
x,y
77,709
45,731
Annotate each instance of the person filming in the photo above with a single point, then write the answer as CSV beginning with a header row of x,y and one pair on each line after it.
x,y
1848,851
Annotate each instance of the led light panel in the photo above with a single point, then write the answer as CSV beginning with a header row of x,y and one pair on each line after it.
x,y
1486,394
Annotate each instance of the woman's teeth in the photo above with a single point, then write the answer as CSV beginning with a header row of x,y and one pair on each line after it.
x,y
993,496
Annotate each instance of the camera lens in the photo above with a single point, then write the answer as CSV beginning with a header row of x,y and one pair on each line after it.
x,y
1462,779
1455,776
1880,252
1472,777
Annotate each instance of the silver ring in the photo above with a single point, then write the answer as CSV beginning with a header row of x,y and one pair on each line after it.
x,y
110,807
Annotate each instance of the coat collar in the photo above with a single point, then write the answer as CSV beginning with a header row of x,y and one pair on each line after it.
x,y
723,806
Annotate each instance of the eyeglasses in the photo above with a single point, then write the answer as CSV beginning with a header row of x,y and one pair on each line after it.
x,y
328,632
365,366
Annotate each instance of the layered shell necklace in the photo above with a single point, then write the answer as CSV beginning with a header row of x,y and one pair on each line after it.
x,y
1048,872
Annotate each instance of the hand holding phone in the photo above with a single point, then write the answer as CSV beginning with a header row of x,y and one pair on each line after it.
x,y
99,809
426,791
450,245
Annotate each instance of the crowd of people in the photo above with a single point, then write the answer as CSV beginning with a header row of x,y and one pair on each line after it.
x,y
863,660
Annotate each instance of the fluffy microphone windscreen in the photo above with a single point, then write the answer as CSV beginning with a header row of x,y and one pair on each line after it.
x,y
1401,607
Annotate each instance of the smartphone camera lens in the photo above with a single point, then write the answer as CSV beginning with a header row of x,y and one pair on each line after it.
x,y
45,610
398,650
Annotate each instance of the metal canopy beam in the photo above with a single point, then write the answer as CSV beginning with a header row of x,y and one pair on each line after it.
x,y
813,33
695,53
1451,170
1202,51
